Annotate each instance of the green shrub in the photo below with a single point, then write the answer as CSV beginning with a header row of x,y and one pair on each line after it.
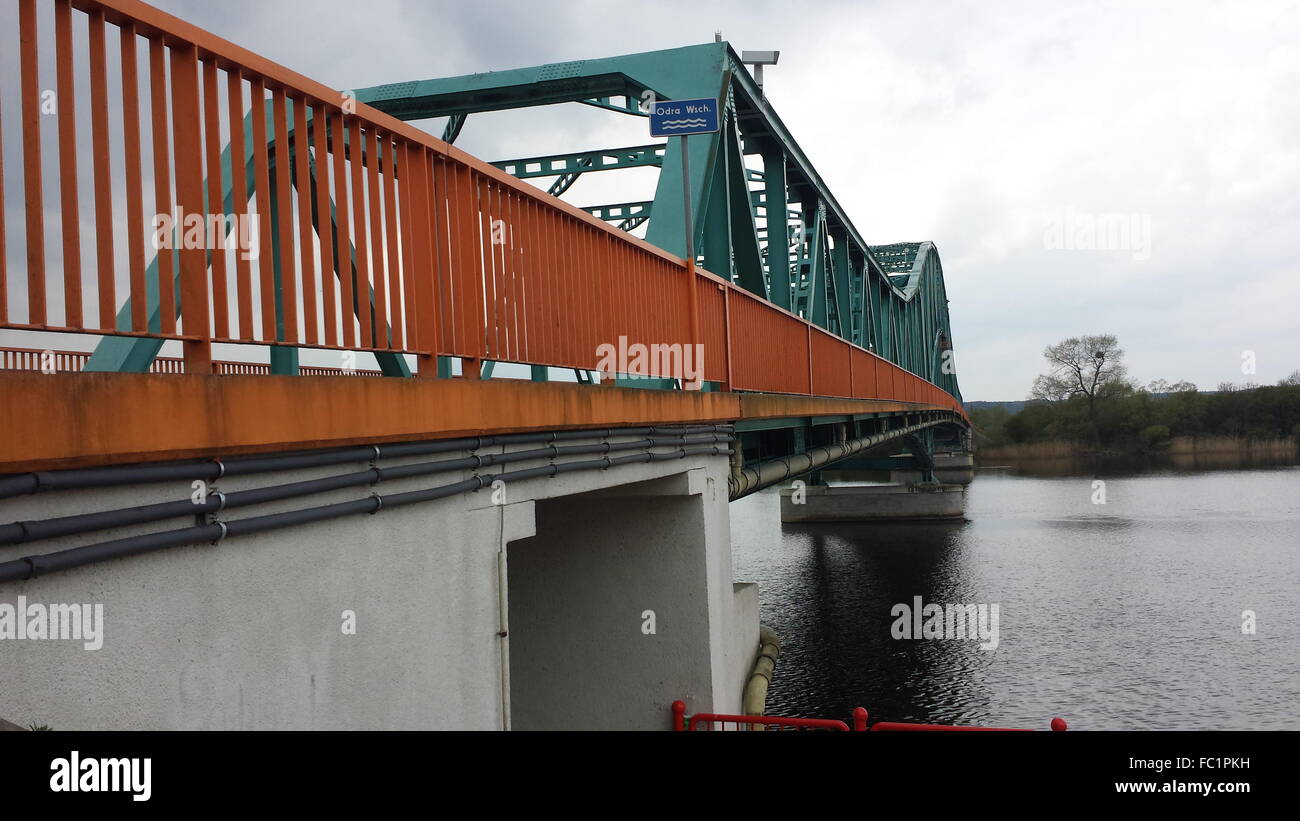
x,y
1154,436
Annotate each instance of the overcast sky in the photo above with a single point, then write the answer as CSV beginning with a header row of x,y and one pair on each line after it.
x,y
984,127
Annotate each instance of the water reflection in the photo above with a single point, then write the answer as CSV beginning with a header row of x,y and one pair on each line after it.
x,y
1123,615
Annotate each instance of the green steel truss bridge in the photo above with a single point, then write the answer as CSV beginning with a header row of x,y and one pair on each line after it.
x,y
805,255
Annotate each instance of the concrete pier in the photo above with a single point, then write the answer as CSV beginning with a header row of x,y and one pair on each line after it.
x,y
955,468
864,503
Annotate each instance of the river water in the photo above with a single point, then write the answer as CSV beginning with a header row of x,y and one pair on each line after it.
x,y
1126,614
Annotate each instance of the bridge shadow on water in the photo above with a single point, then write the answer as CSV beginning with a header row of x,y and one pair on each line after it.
x,y
834,615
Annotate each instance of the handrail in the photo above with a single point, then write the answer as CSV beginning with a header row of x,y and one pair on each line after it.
x,y
694,723
1058,725
682,723
370,234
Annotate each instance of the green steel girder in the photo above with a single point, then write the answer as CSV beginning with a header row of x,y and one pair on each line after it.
x,y
747,253
713,240
583,161
777,258
692,71
568,167
630,105
840,283
576,81
812,271
620,211
452,130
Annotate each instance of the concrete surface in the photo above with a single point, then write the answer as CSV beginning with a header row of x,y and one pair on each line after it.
x,y
863,503
248,633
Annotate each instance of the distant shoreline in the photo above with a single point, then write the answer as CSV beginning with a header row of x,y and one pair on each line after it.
x,y
1178,446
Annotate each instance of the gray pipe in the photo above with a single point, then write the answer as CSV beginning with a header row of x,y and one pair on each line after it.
x,y
775,471
24,483
19,532
31,566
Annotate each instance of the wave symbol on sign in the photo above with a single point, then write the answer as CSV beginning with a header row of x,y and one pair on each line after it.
x,y
696,123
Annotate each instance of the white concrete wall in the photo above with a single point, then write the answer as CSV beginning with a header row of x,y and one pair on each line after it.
x,y
247,633
578,653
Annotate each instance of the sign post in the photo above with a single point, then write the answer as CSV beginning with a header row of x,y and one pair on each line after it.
x,y
682,118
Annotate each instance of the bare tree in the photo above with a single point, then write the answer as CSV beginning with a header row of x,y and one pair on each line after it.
x,y
1293,379
1087,366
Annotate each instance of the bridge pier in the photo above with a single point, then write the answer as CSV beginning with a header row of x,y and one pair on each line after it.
x,y
623,597
957,467
868,503
922,485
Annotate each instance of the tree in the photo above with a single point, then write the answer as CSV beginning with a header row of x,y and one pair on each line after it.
x,y
1087,367
1293,379
1160,387
1153,436
990,425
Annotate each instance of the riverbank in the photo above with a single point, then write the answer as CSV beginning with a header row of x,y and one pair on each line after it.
x,y
1180,446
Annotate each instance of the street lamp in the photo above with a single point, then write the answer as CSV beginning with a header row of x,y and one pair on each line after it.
x,y
758,59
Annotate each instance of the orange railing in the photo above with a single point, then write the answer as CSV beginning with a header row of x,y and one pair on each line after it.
x,y
449,255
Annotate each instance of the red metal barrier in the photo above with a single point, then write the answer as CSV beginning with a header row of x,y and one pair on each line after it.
x,y
682,723
707,721
1058,725
453,256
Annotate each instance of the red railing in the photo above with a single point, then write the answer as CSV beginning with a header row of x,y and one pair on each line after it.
x,y
1058,725
706,721
440,253
719,721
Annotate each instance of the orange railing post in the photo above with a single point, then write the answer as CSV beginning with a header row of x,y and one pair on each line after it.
x,y
189,194
33,200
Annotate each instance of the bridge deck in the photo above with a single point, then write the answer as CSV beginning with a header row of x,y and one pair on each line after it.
x,y
79,420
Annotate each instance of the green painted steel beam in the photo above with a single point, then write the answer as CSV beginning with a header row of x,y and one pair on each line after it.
x,y
496,91
747,255
453,127
630,105
714,239
568,167
841,278
620,211
778,221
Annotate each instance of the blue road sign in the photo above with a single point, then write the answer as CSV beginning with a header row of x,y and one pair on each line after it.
x,y
677,117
